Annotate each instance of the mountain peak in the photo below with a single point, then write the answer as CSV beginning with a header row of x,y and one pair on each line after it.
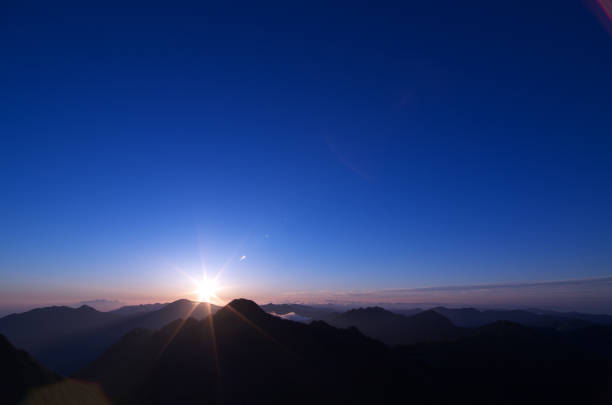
x,y
245,307
429,314
86,308
182,301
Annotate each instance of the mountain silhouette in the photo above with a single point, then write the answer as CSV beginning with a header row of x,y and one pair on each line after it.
x,y
244,355
394,329
505,362
19,373
137,309
466,317
24,381
470,317
241,354
601,319
37,328
65,339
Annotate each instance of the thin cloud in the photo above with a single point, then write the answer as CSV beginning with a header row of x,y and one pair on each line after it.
x,y
585,294
292,316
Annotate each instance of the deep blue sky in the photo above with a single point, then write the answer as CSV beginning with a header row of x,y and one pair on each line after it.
x,y
346,147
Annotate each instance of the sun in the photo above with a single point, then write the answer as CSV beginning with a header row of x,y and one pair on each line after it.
x,y
206,289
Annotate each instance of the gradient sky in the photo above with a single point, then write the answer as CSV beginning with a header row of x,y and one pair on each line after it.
x,y
351,149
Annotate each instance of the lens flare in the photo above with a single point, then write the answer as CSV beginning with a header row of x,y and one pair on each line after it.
x,y
206,289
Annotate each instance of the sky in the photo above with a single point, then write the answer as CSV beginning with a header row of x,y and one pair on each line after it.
x,y
307,151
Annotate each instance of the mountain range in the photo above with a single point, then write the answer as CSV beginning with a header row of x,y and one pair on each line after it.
x,y
461,317
394,329
242,354
64,339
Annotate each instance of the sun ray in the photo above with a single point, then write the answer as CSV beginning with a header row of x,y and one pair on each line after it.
x,y
245,319
177,330
213,339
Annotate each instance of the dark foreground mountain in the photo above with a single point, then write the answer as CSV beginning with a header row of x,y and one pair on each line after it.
x,y
507,363
64,339
23,380
244,355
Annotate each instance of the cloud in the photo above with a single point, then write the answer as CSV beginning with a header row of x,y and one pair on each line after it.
x,y
242,258
292,316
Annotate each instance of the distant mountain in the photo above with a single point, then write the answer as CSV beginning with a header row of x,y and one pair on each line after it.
x,y
470,317
593,318
180,309
376,322
395,329
465,317
137,309
407,312
102,304
65,339
35,329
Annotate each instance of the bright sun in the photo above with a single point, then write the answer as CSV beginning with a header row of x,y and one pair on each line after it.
x,y
206,289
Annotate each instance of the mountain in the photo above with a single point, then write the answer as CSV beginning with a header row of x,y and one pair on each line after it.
x,y
175,310
375,322
19,373
244,355
24,381
461,317
35,329
241,354
407,312
137,309
470,317
65,339
593,318
395,329
508,363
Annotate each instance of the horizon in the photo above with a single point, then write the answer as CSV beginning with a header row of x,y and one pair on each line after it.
x,y
350,300
418,153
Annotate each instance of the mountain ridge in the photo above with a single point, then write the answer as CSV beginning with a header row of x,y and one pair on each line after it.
x,y
65,339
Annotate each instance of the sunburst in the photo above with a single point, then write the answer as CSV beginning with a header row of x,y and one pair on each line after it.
x,y
206,289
